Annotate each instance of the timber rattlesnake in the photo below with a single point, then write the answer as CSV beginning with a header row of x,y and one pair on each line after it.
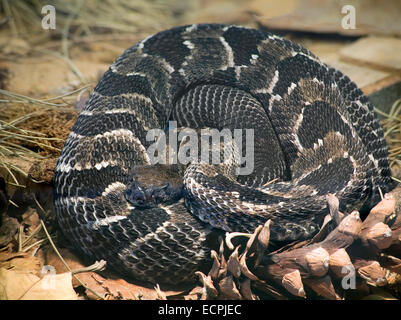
x,y
315,132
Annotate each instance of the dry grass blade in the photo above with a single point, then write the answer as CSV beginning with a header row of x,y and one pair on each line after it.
x,y
20,98
77,17
65,263
392,131
13,144
21,126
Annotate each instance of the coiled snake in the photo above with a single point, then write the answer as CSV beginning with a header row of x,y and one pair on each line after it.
x,y
314,133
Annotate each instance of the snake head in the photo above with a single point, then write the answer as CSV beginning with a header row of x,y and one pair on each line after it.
x,y
150,196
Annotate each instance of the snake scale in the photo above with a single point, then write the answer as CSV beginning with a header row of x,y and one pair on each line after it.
x,y
314,133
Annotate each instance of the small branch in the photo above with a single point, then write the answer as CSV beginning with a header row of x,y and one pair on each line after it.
x,y
97,266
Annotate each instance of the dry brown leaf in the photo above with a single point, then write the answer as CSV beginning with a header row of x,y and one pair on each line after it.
x,y
15,283
115,288
7,256
121,289
23,263
8,228
52,287
108,288
20,285
71,259
31,220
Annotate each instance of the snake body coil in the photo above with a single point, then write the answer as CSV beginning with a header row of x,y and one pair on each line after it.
x,y
315,133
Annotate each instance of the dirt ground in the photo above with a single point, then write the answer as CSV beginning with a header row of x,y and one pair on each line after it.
x,y
46,77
